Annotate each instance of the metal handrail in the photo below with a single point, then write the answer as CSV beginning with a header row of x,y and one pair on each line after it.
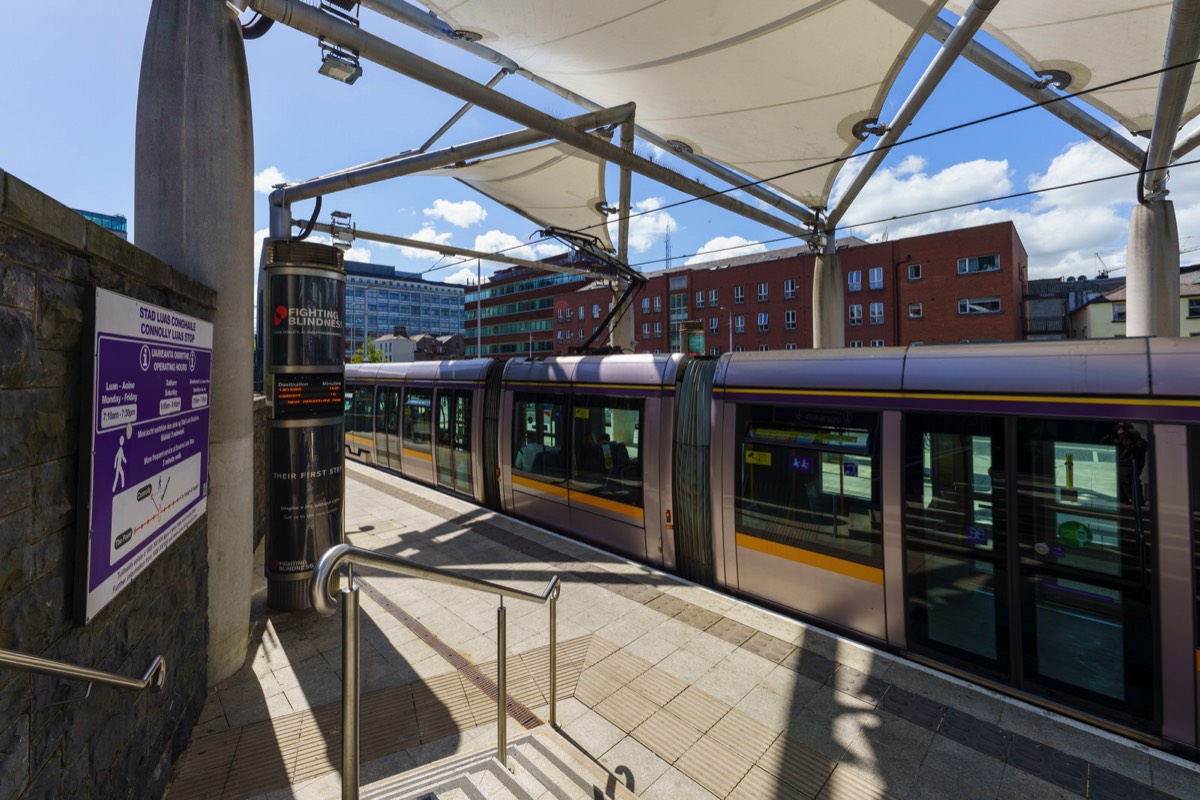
x,y
154,679
324,601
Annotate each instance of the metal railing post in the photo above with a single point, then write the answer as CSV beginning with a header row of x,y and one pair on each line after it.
x,y
554,659
350,686
501,684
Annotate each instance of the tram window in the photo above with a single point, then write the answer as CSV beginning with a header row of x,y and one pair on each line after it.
x,y
538,436
1083,494
418,419
809,479
358,408
606,456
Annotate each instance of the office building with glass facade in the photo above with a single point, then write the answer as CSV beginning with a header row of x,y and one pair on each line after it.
x,y
379,298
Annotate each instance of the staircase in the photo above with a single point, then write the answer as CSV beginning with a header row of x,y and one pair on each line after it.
x,y
541,764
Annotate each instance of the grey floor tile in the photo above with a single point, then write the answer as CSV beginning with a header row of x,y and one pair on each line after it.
x,y
633,762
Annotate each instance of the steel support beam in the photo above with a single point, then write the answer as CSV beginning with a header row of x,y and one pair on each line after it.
x,y
450,250
430,24
499,76
1183,45
622,334
317,23
958,39
280,200
1020,81
1185,146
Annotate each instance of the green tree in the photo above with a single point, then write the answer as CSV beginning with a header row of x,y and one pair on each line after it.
x,y
374,355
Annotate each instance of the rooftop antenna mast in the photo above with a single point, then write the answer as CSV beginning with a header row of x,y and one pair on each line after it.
x,y
668,242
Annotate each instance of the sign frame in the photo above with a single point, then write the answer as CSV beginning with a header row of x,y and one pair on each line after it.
x,y
143,443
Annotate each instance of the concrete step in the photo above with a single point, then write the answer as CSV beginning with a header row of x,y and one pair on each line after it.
x,y
542,765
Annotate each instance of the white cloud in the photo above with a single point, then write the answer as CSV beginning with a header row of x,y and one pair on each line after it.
x,y
466,277
265,181
495,241
725,247
463,214
646,228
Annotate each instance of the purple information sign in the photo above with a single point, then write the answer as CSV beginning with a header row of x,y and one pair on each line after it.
x,y
149,442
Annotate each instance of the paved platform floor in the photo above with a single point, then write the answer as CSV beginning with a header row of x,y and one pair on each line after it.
x,y
680,692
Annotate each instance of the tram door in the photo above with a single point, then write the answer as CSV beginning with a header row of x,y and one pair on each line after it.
x,y
1028,558
453,444
387,428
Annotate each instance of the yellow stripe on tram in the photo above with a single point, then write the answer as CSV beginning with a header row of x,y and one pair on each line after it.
x,y
841,566
417,454
539,486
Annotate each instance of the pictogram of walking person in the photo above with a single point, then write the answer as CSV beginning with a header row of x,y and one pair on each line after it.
x,y
119,464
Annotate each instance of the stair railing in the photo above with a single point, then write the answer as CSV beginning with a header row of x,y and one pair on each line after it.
x,y
325,602
154,679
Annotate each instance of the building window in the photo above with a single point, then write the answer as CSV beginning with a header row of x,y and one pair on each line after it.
x,y
789,320
657,304
856,314
645,330
988,305
677,282
877,343
712,297
915,311
978,264
582,335
700,298
595,311
645,305
762,348
790,346
1193,307
714,351
762,293
739,324
657,329
560,335
737,348
739,295
876,277
789,289
1118,312
714,324
560,315
762,321
856,342
854,280
914,272
570,315
876,313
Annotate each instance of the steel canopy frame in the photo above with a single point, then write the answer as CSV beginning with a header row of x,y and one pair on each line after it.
x,y
955,43
995,65
316,23
432,25
451,250
1182,46
281,199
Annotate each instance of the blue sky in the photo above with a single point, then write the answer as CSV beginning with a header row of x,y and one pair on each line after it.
x,y
69,131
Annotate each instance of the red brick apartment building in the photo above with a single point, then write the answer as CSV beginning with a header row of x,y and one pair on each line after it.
x,y
957,286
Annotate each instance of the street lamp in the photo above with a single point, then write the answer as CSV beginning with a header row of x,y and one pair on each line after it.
x,y
730,323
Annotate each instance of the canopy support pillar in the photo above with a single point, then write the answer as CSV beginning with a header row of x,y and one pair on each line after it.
x,y
622,334
828,297
1152,271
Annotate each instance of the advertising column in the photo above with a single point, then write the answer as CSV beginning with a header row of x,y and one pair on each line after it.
x,y
305,352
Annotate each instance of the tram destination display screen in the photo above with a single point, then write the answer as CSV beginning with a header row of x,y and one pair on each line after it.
x,y
308,395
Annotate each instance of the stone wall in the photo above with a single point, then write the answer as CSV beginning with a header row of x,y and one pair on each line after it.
x,y
114,743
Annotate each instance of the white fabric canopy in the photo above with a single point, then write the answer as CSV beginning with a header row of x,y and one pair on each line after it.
x,y
767,87
554,185
1096,42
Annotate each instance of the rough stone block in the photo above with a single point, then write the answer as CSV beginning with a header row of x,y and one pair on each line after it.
x,y
14,758
18,286
60,313
19,360
54,495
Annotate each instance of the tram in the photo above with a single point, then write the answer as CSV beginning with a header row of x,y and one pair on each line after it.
x,y
1026,516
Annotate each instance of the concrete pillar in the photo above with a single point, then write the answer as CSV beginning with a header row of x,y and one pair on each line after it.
x,y
829,330
622,333
194,208
1152,271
